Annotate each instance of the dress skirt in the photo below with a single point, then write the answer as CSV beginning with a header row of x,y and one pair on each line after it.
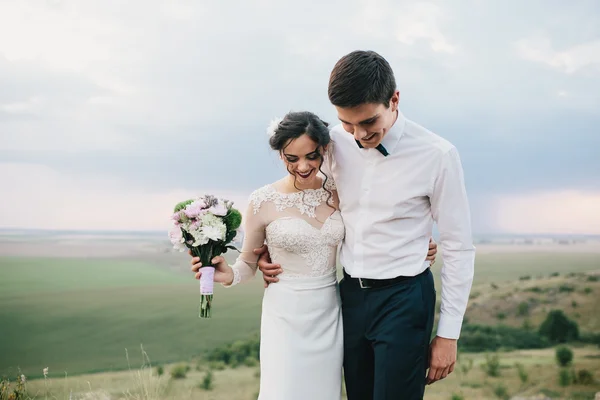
x,y
301,349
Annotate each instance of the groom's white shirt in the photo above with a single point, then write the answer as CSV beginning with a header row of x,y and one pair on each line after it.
x,y
389,205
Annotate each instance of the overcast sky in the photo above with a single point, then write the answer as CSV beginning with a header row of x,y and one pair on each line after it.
x,y
112,111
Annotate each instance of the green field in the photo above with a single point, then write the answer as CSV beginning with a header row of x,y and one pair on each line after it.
x,y
79,315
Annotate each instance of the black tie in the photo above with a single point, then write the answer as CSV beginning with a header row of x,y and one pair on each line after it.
x,y
379,147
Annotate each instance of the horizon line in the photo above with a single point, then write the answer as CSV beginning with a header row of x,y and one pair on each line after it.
x,y
160,231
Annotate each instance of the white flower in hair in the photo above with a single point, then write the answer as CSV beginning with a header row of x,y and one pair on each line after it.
x,y
273,126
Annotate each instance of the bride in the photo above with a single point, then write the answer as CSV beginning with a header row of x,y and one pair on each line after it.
x,y
301,351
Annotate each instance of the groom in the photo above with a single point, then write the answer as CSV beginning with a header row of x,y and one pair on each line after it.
x,y
394,179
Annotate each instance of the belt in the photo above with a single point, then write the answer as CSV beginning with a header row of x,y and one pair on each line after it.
x,y
367,283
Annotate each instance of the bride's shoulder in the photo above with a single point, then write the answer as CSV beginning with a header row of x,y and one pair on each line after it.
x,y
260,195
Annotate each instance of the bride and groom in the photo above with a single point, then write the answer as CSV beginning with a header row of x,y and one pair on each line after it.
x,y
373,187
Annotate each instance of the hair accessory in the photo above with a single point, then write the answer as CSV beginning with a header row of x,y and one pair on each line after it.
x,y
273,126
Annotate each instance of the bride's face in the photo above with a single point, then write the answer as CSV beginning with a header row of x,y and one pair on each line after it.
x,y
302,158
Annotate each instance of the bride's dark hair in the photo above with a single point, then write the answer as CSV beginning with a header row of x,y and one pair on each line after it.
x,y
295,124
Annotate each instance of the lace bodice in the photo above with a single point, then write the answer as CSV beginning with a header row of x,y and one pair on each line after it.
x,y
302,231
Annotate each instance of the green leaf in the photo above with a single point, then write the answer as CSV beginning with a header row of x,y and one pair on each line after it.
x,y
182,205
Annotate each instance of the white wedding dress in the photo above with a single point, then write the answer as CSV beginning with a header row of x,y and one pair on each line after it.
x,y
301,351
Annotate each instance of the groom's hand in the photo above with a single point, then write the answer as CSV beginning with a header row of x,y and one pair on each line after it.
x,y
442,358
268,270
432,251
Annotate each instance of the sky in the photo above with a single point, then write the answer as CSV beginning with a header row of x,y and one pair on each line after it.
x,y
111,112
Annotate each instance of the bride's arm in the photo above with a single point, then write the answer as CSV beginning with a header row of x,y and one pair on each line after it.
x,y
245,266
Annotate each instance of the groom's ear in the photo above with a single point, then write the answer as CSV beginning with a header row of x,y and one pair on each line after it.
x,y
395,100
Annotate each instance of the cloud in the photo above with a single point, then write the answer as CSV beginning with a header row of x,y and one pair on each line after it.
x,y
567,212
422,21
43,198
159,97
571,60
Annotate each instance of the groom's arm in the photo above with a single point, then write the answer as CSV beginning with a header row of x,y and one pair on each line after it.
x,y
450,210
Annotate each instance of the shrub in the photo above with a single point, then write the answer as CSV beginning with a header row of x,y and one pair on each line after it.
x,y
492,365
160,370
554,275
250,361
179,371
564,356
565,378
481,338
523,309
207,382
523,375
585,377
558,328
501,392
574,304
466,366
501,316
591,338
236,353
593,278
457,397
587,290
566,289
217,365
525,278
535,289
16,392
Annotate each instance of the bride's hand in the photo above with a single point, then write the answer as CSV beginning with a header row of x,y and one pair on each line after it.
x,y
223,272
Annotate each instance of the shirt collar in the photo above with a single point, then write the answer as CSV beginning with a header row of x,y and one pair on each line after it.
x,y
392,137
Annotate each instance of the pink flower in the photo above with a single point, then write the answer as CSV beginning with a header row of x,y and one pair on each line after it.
x,y
176,237
176,217
194,209
219,209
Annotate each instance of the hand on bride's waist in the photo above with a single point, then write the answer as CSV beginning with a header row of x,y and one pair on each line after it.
x,y
269,270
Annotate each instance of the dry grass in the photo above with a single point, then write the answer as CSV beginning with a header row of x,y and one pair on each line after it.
x,y
243,383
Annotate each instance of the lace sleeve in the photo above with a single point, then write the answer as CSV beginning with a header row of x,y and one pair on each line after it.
x,y
246,264
326,169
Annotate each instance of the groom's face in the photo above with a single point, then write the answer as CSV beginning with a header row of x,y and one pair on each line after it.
x,y
369,122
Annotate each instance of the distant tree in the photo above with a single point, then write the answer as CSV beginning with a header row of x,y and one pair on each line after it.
x,y
558,328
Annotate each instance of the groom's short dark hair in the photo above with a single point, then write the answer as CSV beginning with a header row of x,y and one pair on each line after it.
x,y
361,77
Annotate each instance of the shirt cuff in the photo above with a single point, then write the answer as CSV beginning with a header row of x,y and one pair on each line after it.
x,y
449,327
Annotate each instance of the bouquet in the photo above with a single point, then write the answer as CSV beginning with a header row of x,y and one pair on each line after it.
x,y
205,225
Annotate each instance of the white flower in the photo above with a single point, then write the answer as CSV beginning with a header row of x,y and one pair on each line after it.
x,y
23,378
199,238
45,370
273,126
215,232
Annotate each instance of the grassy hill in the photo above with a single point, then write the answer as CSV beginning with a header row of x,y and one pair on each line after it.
x,y
528,301
78,315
